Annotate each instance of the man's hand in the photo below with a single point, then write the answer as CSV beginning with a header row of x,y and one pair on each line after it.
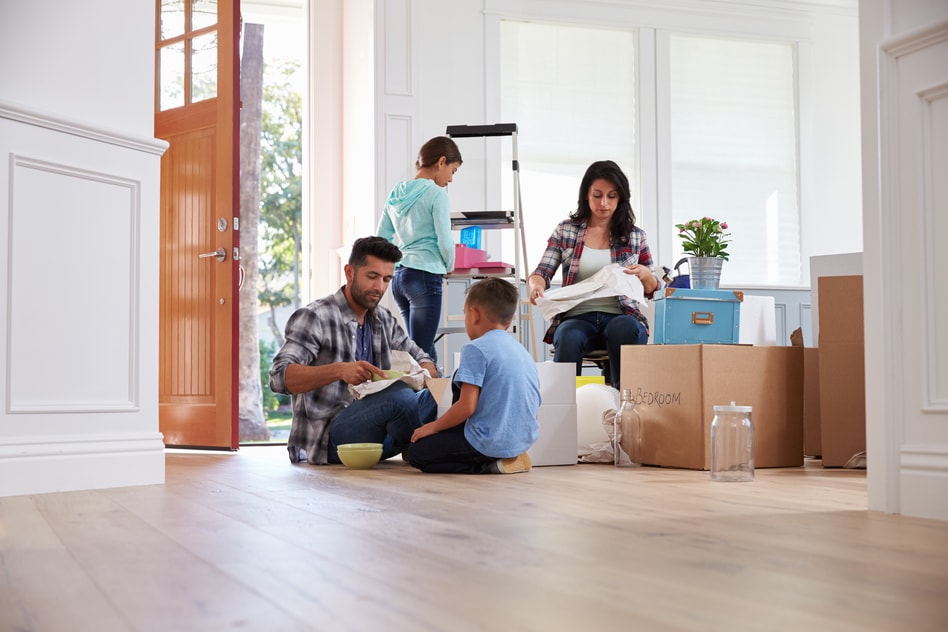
x,y
359,372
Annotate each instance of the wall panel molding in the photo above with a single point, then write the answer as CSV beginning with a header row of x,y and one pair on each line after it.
x,y
82,130
933,161
397,62
74,347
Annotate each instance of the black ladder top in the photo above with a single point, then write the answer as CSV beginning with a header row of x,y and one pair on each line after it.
x,y
471,131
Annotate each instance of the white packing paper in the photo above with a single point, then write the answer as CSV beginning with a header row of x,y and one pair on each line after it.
x,y
401,361
610,281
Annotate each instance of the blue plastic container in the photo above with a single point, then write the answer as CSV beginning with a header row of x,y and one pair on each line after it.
x,y
471,237
690,316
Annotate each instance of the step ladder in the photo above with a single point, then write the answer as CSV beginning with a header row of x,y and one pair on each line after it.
x,y
520,270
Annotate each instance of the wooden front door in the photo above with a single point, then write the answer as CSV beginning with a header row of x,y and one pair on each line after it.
x,y
197,112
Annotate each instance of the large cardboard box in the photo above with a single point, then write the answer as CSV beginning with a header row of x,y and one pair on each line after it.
x,y
688,316
842,369
677,386
812,444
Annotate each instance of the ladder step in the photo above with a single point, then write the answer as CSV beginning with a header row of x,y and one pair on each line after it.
x,y
471,131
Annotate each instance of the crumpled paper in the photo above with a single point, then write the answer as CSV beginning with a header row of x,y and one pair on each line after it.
x,y
610,281
401,361
604,451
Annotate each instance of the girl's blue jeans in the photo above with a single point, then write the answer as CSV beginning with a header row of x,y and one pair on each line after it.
x,y
418,296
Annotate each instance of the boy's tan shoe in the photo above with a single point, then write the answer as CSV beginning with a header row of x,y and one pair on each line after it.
x,y
513,465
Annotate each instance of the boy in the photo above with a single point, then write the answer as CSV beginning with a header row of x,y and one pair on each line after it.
x,y
493,421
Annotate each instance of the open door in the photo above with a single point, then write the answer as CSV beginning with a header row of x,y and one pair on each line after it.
x,y
197,112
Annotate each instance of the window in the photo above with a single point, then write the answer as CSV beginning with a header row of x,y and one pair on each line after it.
x,y
574,104
722,144
733,151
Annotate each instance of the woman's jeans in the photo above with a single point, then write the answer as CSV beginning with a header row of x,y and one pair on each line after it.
x,y
388,417
418,296
578,335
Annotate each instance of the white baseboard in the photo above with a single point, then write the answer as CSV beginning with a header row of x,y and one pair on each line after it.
x,y
923,491
39,465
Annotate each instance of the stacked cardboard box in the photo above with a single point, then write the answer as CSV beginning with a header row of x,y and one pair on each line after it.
x,y
812,444
841,369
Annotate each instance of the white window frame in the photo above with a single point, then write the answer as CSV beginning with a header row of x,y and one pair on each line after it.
x,y
654,26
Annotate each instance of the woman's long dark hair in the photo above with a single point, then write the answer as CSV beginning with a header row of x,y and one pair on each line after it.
x,y
623,220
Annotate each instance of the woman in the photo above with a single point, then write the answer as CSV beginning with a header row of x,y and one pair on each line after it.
x,y
417,220
600,231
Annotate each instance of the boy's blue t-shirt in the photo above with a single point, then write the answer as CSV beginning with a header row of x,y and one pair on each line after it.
x,y
505,421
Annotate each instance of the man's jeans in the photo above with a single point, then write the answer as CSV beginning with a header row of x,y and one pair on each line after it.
x,y
388,417
418,296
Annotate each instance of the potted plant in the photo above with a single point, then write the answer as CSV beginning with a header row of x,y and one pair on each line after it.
x,y
705,240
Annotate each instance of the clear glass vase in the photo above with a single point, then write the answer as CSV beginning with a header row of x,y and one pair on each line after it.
x,y
627,433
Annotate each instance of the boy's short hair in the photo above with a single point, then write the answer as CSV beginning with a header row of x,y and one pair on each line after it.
x,y
497,298
374,246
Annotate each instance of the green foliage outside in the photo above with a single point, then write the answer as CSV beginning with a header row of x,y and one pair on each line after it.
x,y
281,204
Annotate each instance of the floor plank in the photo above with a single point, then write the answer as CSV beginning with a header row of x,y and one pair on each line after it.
x,y
246,540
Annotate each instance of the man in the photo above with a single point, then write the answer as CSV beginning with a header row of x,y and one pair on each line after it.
x,y
343,339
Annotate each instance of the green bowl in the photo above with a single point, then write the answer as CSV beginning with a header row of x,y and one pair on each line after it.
x,y
359,456
392,375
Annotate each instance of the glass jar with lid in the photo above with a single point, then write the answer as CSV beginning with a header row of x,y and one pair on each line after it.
x,y
732,444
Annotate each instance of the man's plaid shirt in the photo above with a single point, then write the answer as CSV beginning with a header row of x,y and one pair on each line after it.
x,y
324,332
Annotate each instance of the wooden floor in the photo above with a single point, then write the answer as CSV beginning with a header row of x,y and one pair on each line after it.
x,y
247,541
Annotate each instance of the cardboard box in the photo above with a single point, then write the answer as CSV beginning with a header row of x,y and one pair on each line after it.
x,y
812,445
842,369
558,440
677,386
687,316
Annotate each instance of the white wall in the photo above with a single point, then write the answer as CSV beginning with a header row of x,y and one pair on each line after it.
x,y
79,229
447,56
83,60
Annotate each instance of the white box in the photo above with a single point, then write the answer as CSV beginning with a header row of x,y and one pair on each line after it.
x,y
557,442
557,382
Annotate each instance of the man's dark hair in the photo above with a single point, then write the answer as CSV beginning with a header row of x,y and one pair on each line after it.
x,y
374,246
496,297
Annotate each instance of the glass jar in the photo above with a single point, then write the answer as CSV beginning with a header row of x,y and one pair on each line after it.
x,y
627,433
732,444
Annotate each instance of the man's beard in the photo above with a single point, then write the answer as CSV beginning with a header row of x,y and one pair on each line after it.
x,y
366,300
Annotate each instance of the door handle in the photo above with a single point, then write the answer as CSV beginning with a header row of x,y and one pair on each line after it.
x,y
220,254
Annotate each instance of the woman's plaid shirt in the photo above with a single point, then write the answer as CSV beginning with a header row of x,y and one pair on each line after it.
x,y
565,248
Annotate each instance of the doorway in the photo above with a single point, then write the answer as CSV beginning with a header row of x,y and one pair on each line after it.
x,y
276,35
